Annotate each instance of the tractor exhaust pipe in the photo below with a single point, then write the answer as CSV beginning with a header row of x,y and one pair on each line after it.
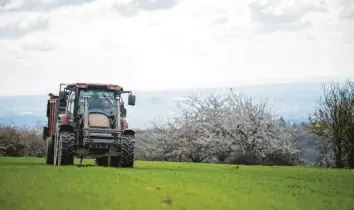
x,y
86,113
118,119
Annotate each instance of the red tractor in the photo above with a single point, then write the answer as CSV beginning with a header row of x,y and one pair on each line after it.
x,y
88,120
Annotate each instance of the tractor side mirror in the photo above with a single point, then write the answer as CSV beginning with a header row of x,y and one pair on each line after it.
x,y
62,95
131,100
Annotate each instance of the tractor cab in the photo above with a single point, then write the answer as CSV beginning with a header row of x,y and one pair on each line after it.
x,y
101,107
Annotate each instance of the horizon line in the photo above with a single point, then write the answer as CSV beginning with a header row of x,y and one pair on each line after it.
x,y
263,83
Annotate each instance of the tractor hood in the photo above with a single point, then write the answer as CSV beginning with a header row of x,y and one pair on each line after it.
x,y
98,120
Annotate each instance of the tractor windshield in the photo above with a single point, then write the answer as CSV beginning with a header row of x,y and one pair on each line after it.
x,y
99,99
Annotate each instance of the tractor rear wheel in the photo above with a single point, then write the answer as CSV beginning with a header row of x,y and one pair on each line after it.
x,y
66,148
128,152
49,154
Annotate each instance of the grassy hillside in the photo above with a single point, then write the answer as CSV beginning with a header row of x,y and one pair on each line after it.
x,y
26,183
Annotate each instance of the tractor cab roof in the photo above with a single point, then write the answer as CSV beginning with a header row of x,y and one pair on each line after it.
x,y
94,85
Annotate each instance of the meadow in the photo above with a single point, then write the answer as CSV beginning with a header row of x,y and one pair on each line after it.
x,y
26,183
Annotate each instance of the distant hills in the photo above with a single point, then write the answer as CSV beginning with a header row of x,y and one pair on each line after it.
x,y
293,101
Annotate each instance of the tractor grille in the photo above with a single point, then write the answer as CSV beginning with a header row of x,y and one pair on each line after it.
x,y
101,148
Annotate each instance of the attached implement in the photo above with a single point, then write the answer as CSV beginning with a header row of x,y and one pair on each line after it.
x,y
89,120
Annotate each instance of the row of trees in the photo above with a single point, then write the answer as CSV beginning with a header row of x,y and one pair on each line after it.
x,y
232,128
235,128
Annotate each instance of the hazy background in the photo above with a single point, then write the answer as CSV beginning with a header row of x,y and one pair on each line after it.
x,y
172,44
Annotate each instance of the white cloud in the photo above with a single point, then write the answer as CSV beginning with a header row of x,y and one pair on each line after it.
x,y
166,44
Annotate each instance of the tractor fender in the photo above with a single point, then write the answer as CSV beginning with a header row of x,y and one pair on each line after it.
x,y
123,124
64,123
129,132
64,119
67,128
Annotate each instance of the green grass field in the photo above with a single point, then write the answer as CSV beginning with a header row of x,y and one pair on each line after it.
x,y
26,183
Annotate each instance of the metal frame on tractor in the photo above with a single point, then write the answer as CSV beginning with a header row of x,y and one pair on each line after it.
x,y
68,133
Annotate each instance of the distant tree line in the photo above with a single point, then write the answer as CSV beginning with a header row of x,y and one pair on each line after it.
x,y
235,129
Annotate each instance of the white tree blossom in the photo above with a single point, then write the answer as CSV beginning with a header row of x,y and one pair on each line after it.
x,y
217,127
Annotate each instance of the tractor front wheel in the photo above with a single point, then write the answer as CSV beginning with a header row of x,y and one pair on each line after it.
x,y
66,146
128,152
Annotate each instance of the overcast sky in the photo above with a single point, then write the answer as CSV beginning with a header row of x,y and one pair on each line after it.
x,y
170,44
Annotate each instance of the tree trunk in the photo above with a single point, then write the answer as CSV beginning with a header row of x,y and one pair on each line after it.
x,y
351,158
339,161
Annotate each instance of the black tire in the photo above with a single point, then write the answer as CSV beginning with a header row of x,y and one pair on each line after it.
x,y
49,154
102,161
128,152
67,148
